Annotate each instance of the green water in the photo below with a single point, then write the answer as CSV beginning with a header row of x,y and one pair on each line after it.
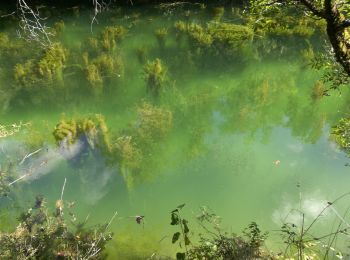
x,y
231,122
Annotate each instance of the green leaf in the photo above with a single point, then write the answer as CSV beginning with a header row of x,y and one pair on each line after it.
x,y
186,229
180,256
187,240
176,237
174,219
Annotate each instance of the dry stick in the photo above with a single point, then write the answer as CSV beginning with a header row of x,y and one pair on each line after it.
x,y
324,209
29,155
333,239
98,8
64,185
98,241
30,172
31,25
20,178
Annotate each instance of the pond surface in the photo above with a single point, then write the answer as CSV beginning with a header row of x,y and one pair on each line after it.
x,y
248,137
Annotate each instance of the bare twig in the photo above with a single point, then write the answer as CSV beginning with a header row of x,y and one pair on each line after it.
x,y
32,28
99,7
29,155
64,185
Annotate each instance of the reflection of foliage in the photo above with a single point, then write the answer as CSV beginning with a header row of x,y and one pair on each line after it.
x,y
270,19
341,134
43,236
333,73
229,37
155,76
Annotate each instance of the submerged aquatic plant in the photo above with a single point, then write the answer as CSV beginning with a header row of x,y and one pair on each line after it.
x,y
98,69
155,76
133,152
110,36
229,38
216,39
35,74
5,180
91,131
161,36
141,53
218,13
153,123
130,159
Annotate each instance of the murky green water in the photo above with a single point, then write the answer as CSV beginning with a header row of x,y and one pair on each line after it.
x,y
248,138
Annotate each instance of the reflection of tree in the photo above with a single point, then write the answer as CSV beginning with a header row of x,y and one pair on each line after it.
x,y
274,97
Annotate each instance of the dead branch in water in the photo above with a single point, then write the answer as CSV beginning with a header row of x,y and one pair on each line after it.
x,y
32,26
99,7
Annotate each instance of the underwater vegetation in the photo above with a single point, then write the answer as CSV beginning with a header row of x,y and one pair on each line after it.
x,y
134,150
36,77
47,69
218,12
161,35
222,42
101,58
92,132
153,123
155,76
5,179
130,152
99,69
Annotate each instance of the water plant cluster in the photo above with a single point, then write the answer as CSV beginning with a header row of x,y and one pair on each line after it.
x,y
182,48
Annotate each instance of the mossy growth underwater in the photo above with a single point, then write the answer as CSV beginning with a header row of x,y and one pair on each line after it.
x,y
146,97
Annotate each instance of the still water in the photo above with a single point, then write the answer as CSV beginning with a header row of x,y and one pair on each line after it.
x,y
248,138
